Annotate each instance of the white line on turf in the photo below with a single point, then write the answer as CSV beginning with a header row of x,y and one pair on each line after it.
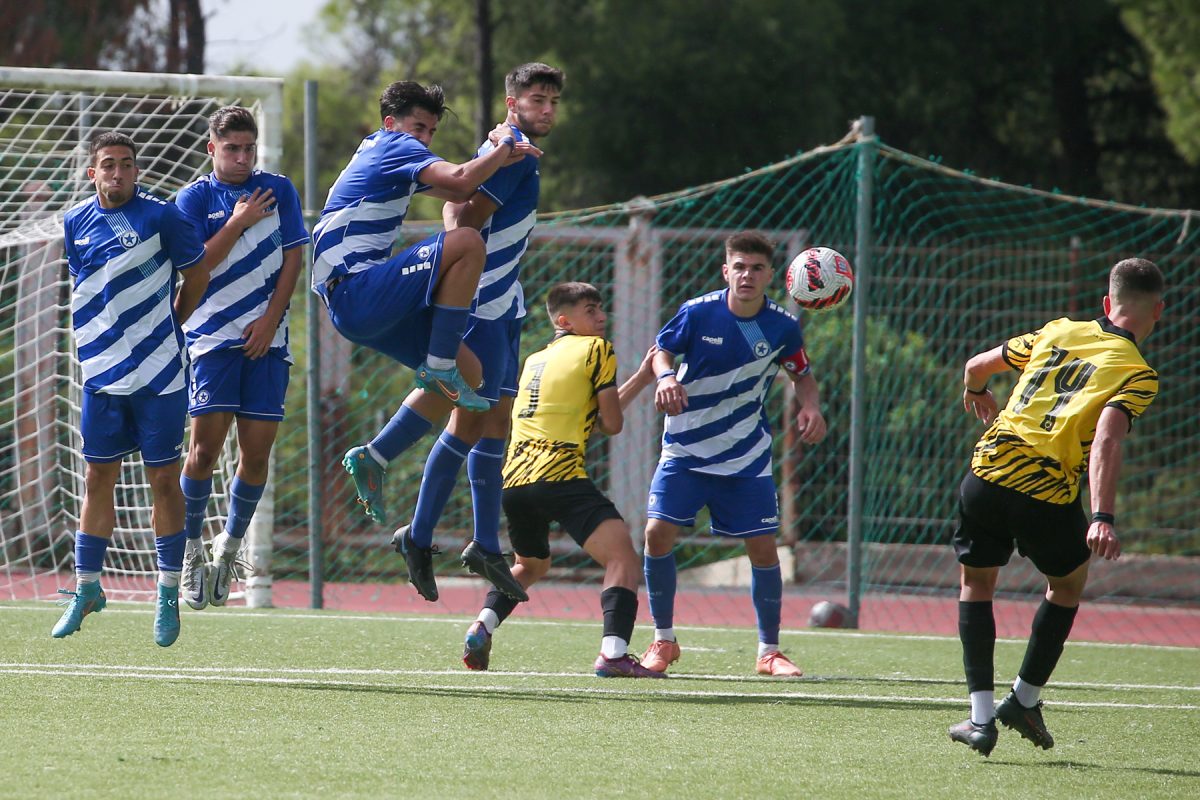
x,y
121,669
476,684
114,607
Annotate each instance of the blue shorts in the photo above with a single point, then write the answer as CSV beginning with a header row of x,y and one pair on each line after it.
x,y
497,343
741,507
389,307
115,425
225,380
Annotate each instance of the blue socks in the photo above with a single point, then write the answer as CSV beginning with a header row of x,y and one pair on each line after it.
x,y
195,498
441,472
402,432
170,551
766,589
660,589
89,552
243,499
449,323
485,467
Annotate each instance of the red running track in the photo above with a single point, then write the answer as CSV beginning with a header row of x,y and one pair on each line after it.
x,y
1097,622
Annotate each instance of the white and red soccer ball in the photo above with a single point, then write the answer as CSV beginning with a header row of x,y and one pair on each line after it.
x,y
820,278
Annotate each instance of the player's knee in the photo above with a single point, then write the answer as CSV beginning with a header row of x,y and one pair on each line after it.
x,y
100,479
534,568
202,456
464,251
164,482
254,466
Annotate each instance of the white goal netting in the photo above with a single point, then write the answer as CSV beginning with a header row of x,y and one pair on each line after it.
x,y
47,118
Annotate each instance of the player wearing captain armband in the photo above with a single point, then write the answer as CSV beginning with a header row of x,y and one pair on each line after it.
x,y
1082,385
716,444
237,338
124,249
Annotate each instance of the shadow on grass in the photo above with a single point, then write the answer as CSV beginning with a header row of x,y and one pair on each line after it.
x,y
607,691
1113,768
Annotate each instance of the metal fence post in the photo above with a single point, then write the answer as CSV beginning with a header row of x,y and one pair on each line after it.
x,y
316,553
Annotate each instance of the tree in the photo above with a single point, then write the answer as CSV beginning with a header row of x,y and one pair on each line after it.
x,y
115,34
1170,31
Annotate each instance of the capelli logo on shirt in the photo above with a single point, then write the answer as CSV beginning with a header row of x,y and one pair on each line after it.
x,y
713,339
83,241
217,214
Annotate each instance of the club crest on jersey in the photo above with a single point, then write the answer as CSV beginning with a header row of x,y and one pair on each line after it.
x,y
761,348
653,501
424,252
202,397
129,239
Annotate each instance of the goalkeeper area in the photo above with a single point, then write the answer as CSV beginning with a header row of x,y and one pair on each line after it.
x,y
281,703
948,263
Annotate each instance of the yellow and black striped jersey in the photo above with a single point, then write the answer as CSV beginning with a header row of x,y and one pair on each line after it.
x,y
556,409
1070,371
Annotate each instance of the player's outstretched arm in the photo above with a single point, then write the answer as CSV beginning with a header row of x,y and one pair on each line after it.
x,y
810,422
977,398
639,380
1104,468
457,182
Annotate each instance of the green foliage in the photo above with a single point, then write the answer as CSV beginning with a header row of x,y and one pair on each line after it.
x,y
1169,31
677,93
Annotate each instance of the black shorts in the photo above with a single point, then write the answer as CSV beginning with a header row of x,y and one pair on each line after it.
x,y
993,518
576,505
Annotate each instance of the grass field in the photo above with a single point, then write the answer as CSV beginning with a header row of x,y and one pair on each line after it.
x,y
268,704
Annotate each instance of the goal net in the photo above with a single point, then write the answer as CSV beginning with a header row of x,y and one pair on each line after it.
x,y
47,118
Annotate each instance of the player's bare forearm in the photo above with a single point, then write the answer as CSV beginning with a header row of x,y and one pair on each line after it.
x,y
810,422
471,214
639,380
247,212
1104,470
191,289
977,398
260,333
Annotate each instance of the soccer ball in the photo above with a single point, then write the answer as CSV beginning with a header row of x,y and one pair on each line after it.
x,y
830,615
819,278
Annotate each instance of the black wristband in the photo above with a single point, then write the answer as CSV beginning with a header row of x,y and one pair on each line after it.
x,y
1103,516
666,373
974,391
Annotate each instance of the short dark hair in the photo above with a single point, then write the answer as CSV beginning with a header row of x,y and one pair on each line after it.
x,y
1134,280
750,242
535,73
109,139
564,295
400,98
226,120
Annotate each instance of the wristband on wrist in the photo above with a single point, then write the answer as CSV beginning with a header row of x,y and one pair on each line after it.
x,y
1103,516
666,373
976,391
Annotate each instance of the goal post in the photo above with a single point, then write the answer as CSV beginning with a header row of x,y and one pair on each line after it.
x,y
47,117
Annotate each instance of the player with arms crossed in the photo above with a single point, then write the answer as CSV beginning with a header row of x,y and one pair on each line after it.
x,y
716,445
237,338
124,248
567,389
1081,386
504,209
414,306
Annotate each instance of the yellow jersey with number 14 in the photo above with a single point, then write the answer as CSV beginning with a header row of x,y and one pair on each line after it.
x,y
1070,371
556,409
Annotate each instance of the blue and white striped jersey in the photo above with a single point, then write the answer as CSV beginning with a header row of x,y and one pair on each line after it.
x,y
123,262
367,205
727,365
241,286
514,189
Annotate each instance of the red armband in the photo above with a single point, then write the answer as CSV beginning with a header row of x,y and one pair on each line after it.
x,y
796,363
